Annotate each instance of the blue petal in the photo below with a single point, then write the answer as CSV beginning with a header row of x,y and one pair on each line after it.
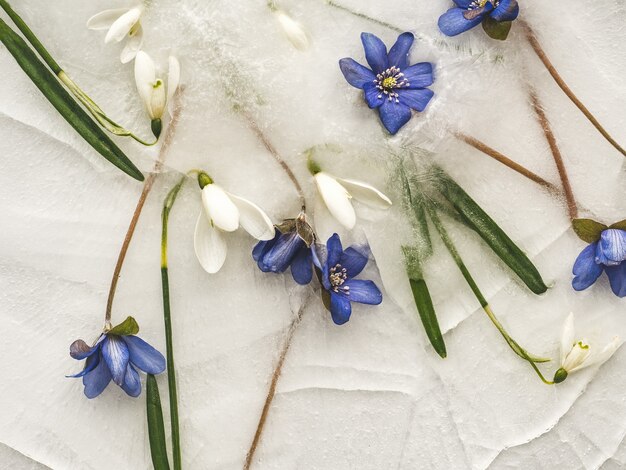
x,y
617,278
364,292
463,3
507,10
92,362
372,94
340,308
334,250
318,253
375,53
399,52
612,247
453,22
97,380
394,115
586,270
116,356
144,356
302,266
356,74
132,383
264,246
419,75
278,258
80,350
415,99
353,260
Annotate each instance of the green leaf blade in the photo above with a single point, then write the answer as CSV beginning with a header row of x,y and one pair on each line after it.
x,y
156,427
427,314
126,328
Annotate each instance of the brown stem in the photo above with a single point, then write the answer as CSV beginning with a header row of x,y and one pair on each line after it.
x,y
556,153
147,187
272,390
532,39
493,153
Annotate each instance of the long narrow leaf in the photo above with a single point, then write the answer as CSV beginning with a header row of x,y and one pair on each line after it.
x,y
477,219
156,428
428,316
64,103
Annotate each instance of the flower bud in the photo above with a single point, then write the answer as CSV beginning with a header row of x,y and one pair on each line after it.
x,y
560,375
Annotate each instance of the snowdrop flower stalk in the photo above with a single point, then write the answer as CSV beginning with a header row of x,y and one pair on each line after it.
x,y
121,24
221,213
153,91
292,29
578,354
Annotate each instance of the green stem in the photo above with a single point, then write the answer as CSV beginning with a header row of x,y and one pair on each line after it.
x,y
364,16
517,349
171,373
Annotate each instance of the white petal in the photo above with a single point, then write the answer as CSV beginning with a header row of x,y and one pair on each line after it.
x,y
122,26
366,193
337,199
105,19
145,76
173,79
253,219
567,337
606,353
209,245
577,357
293,31
132,46
220,208
157,105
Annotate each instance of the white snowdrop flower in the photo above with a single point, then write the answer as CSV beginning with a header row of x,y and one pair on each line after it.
x,y
578,354
293,30
121,23
223,212
152,90
337,192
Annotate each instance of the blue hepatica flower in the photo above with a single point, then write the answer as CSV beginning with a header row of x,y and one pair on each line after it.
x,y
607,254
391,86
337,272
470,13
116,357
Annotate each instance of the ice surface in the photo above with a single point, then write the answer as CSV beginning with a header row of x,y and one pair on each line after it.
x,y
371,394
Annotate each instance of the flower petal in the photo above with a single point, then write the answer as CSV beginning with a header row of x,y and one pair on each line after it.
x,y
419,75
375,52
91,363
507,10
144,356
617,279
613,246
365,193
353,260
334,250
145,77
209,245
97,380
576,359
220,208
415,99
173,80
606,353
464,3
116,356
340,308
264,246
302,266
356,74
336,198
132,383
80,350
586,270
567,337
365,292
373,96
394,115
253,219
105,19
281,254
122,26
399,52
132,46
453,22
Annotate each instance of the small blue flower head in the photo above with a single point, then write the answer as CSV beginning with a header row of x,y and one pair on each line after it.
x,y
116,355
607,254
289,247
495,15
337,268
391,86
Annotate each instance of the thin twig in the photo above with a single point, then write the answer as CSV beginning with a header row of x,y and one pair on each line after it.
x,y
272,390
534,43
556,153
147,187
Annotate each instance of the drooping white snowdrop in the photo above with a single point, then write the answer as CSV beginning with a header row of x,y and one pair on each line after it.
x,y
338,192
122,24
578,354
223,212
293,30
153,91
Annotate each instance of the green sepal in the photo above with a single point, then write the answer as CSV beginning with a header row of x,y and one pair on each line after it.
x,y
62,101
496,29
478,220
589,230
156,427
126,328
621,225
157,126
